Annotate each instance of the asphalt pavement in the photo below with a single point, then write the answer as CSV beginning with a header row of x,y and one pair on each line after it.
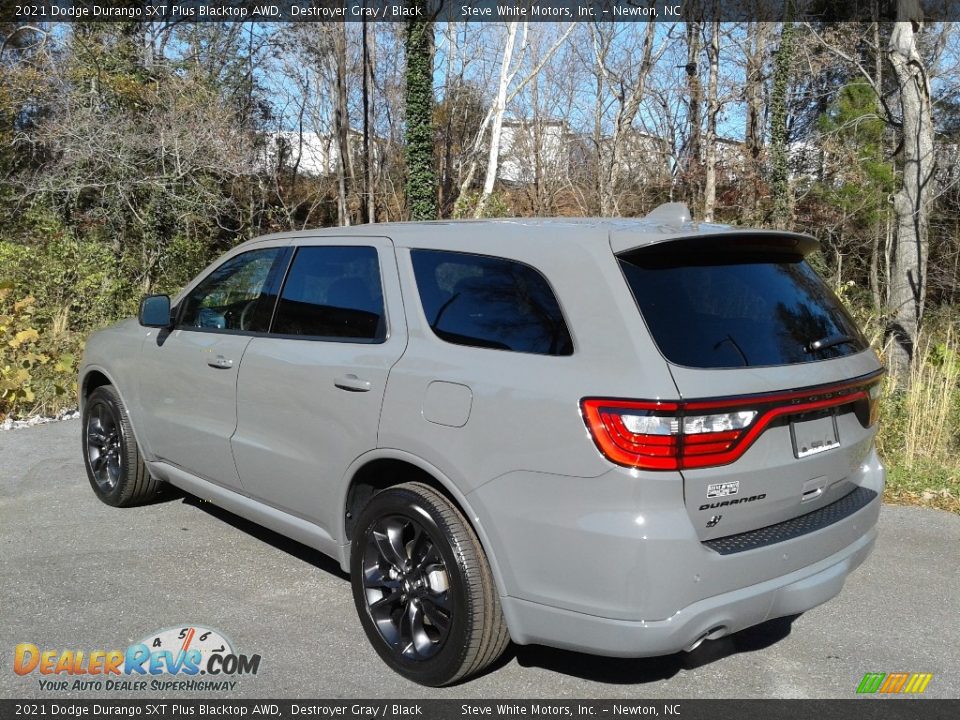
x,y
76,574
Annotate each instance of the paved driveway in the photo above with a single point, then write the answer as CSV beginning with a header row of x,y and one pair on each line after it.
x,y
77,574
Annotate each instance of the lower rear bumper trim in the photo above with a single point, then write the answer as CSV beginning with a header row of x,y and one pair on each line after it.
x,y
795,527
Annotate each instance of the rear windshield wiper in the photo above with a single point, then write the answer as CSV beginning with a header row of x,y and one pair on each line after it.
x,y
830,341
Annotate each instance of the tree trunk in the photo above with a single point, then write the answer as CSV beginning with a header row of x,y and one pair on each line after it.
x,y
421,176
911,204
499,108
757,39
342,127
692,165
780,172
710,139
878,246
369,200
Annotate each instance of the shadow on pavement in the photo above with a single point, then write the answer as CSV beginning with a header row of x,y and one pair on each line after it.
x,y
614,671
280,542
626,671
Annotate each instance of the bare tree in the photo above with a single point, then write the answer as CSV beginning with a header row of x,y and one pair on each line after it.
x,y
628,90
911,204
908,249
507,73
508,76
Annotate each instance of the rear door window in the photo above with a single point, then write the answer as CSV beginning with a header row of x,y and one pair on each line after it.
x,y
721,307
332,293
490,302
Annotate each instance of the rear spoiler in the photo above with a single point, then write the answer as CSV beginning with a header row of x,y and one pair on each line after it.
x,y
670,224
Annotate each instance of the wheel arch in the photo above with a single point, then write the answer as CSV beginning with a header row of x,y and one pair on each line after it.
x,y
95,376
381,469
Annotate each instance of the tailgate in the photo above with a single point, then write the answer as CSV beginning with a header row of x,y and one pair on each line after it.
x,y
807,455
778,385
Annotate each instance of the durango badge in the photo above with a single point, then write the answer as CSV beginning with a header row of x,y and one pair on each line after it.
x,y
735,501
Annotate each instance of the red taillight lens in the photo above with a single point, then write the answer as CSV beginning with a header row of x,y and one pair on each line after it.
x,y
635,434
656,435
874,393
659,436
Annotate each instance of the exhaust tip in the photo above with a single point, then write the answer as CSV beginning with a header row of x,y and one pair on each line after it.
x,y
713,633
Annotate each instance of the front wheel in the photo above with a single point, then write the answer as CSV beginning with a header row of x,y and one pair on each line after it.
x,y
117,473
423,588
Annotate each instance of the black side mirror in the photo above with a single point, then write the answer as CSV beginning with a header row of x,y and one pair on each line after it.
x,y
155,311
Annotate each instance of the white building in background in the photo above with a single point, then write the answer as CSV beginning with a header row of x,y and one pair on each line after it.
x,y
555,146
313,153
518,149
646,158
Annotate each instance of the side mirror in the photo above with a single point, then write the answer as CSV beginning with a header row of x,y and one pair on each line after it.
x,y
155,311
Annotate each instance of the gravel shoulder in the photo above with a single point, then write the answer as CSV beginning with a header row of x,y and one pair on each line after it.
x,y
77,574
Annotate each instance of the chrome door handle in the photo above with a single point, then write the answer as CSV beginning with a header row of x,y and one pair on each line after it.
x,y
221,363
352,383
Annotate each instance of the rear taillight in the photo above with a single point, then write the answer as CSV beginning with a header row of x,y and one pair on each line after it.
x,y
657,435
874,392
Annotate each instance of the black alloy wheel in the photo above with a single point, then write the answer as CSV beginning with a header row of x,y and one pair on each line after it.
x,y
115,469
104,446
423,587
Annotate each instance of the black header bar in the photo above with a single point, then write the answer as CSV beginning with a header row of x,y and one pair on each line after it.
x,y
42,11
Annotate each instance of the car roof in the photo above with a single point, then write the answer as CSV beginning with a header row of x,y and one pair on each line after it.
x,y
666,223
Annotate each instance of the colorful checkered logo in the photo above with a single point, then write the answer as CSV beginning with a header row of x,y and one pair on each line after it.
x,y
894,683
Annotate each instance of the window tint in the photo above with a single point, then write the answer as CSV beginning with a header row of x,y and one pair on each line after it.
x,y
235,296
332,292
726,310
490,302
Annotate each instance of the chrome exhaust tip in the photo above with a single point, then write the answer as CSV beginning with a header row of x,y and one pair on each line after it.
x,y
713,633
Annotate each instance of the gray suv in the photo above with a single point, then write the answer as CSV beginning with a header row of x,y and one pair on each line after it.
x,y
620,437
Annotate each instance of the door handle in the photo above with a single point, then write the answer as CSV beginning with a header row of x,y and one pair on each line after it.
x,y
220,363
351,383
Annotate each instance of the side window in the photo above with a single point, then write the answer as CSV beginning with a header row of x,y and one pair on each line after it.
x,y
235,296
333,293
490,302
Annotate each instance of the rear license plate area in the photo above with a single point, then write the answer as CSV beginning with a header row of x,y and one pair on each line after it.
x,y
814,433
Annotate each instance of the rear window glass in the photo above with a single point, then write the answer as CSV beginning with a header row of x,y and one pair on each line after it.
x,y
490,302
726,310
332,293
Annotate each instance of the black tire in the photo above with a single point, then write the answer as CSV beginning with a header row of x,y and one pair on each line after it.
x,y
115,469
461,629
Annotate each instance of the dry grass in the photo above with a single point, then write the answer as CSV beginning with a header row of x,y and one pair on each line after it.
x,y
920,426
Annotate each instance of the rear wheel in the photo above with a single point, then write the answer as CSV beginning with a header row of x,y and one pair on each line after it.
x,y
423,588
117,473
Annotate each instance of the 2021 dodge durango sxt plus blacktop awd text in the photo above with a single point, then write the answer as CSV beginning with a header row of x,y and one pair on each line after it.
x,y
620,437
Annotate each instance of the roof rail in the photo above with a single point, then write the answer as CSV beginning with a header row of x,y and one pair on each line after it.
x,y
672,213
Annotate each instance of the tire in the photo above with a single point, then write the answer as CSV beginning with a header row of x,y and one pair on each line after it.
x,y
115,469
423,588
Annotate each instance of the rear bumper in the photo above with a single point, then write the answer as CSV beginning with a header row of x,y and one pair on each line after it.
x,y
713,617
613,566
